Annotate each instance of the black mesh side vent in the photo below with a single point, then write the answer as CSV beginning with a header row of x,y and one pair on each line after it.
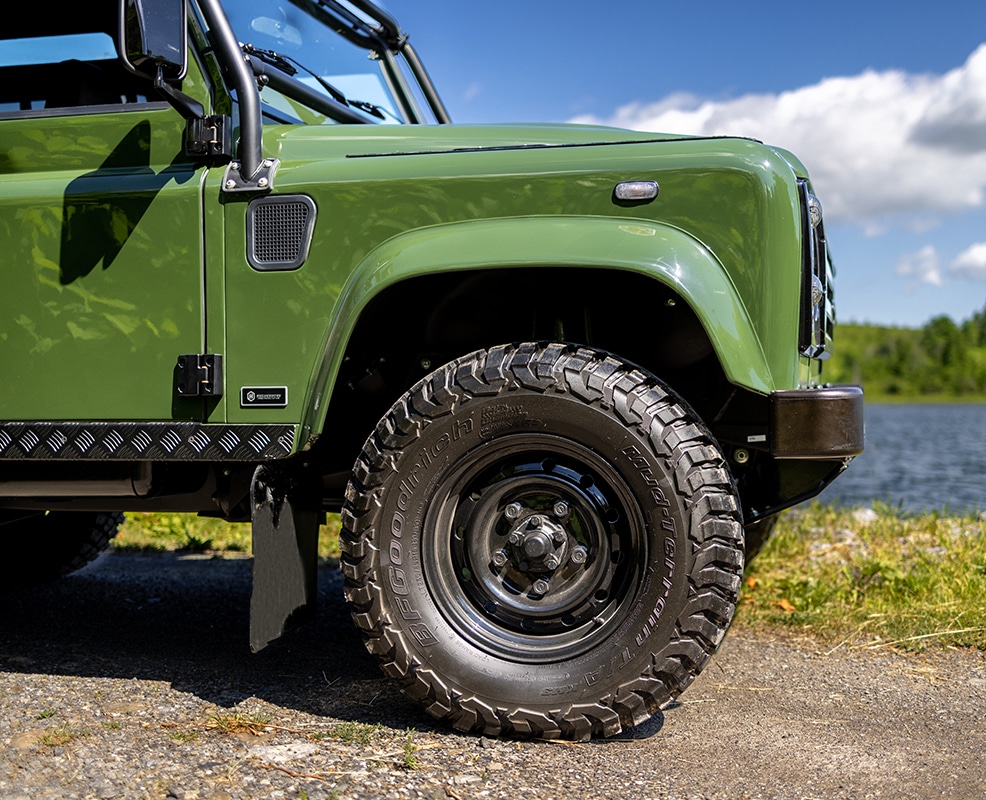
x,y
279,231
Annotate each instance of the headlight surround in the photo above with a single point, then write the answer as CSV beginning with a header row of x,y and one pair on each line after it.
x,y
817,302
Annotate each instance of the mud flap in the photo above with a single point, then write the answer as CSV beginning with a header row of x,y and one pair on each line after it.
x,y
285,554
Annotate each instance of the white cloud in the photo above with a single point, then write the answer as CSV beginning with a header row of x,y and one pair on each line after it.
x,y
971,262
922,267
878,145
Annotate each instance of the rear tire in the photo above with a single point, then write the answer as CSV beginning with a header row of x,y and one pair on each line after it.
x,y
542,540
41,546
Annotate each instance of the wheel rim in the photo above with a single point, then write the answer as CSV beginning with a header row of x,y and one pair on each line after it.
x,y
535,551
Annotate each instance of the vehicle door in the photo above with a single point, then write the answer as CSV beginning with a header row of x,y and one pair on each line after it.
x,y
101,231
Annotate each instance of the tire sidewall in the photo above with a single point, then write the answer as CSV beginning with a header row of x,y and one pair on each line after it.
x,y
443,446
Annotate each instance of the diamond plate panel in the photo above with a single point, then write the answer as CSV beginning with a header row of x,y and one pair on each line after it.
x,y
144,441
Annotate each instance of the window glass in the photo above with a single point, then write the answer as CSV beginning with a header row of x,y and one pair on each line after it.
x,y
315,51
51,49
64,71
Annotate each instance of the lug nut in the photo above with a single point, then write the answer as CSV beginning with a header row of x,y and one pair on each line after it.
x,y
579,555
541,586
512,511
500,558
560,509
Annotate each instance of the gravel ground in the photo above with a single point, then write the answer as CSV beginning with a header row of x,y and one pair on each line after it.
x,y
133,679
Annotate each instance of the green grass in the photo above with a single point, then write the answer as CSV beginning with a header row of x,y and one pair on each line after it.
x,y
846,578
353,732
153,532
871,578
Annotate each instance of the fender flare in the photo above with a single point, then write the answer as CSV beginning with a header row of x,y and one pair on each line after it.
x,y
661,252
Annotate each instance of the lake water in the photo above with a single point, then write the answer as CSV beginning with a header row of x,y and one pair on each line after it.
x,y
918,458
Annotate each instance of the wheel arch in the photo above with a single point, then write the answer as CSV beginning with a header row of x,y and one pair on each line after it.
x,y
589,262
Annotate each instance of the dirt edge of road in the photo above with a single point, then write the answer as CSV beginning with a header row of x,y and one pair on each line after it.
x,y
132,679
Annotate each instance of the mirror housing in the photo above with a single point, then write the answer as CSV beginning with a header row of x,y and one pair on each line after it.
x,y
153,38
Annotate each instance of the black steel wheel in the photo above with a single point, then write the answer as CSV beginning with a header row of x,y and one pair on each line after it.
x,y
39,546
542,540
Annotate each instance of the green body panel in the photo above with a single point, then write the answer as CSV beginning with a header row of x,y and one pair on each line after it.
x,y
724,233
122,255
101,235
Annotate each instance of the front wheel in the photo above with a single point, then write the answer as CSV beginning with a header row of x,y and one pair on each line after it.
x,y
542,540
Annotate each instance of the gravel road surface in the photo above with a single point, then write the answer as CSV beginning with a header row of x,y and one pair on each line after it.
x,y
133,679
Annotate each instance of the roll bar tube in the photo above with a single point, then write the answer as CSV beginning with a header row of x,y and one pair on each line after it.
x,y
397,40
431,94
241,76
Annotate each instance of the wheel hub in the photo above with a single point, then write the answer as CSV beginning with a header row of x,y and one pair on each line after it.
x,y
537,562
536,542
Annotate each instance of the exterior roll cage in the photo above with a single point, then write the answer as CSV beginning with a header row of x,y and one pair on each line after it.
x,y
385,36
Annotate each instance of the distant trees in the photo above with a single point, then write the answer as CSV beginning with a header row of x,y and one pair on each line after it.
x,y
942,358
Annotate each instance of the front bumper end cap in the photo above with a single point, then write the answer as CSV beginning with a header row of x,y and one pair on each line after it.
x,y
820,423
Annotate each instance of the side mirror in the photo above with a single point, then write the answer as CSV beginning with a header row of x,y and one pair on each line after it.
x,y
153,38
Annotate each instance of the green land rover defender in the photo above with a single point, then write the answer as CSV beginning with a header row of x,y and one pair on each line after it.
x,y
557,380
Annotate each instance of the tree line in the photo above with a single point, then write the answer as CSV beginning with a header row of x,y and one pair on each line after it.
x,y
942,359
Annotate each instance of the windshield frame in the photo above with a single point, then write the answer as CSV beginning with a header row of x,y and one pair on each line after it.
x,y
361,25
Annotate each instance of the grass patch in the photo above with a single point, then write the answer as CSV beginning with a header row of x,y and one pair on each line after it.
x,y
185,737
863,578
61,736
846,577
409,755
256,723
353,732
154,532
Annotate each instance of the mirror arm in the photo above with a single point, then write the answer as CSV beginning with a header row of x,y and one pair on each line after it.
x,y
188,107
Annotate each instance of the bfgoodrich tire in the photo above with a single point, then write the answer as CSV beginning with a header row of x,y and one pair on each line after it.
x,y
39,546
542,540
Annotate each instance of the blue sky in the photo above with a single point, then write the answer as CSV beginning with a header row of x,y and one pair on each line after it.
x,y
885,102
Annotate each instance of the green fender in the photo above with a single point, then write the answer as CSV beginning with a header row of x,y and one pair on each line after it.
x,y
665,253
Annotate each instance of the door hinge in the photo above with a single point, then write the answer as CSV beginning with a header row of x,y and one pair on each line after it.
x,y
199,375
209,137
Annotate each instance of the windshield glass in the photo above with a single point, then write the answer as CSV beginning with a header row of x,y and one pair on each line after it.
x,y
295,37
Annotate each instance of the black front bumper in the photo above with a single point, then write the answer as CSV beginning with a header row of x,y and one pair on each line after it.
x,y
793,444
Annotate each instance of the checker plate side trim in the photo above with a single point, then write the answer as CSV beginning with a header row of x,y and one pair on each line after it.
x,y
144,441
